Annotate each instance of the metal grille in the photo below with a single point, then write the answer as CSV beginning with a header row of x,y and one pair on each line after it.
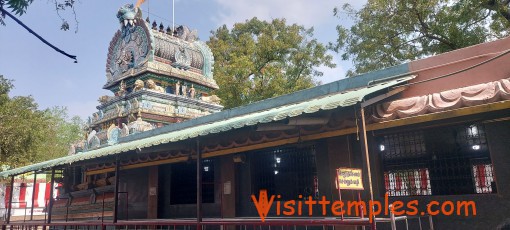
x,y
396,146
407,182
484,178
471,138
437,161
289,172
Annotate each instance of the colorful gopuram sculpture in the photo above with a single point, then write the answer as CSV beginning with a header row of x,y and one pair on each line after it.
x,y
157,78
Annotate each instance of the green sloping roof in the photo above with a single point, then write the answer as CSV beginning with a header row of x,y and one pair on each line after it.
x,y
332,101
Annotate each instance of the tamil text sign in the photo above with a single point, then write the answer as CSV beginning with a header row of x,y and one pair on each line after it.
x,y
349,178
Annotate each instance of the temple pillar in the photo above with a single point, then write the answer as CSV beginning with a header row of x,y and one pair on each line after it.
x,y
152,200
340,154
116,191
52,200
8,218
497,137
228,191
33,196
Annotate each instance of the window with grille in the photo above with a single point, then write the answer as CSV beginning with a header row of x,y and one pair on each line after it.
x,y
398,146
437,161
288,171
407,182
484,178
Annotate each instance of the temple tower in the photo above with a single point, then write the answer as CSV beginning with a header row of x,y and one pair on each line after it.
x,y
157,77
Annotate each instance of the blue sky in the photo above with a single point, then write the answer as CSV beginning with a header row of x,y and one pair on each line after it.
x,y
54,80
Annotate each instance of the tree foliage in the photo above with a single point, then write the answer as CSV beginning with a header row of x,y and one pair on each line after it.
x,y
390,32
19,7
257,59
29,135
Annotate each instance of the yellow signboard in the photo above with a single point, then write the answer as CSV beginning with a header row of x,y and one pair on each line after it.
x,y
349,178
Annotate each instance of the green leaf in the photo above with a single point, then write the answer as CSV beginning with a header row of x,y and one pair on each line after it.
x,y
29,135
258,59
390,32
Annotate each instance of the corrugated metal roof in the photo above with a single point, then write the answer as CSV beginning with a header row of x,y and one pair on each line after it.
x,y
332,101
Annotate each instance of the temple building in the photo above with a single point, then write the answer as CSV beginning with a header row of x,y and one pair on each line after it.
x,y
161,153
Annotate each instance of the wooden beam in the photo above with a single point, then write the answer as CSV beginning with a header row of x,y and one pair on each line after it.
x,y
134,166
171,160
497,120
83,216
291,140
99,171
251,147
441,115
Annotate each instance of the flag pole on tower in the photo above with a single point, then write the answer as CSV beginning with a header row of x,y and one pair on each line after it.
x,y
173,15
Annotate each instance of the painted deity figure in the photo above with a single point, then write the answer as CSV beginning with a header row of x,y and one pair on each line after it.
x,y
122,89
138,85
104,99
192,92
152,86
125,60
178,88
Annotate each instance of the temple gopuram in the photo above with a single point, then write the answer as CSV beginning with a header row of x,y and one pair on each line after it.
x,y
157,77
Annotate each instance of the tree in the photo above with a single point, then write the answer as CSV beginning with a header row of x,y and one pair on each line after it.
x,y
29,135
65,130
258,60
19,7
389,32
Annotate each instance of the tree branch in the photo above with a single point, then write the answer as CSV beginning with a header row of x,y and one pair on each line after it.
x,y
494,5
425,30
38,36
